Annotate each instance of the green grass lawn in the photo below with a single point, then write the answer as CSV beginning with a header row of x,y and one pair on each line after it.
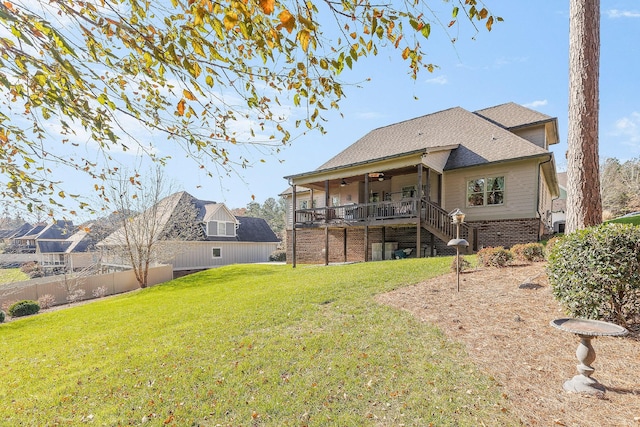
x,y
635,220
10,275
251,345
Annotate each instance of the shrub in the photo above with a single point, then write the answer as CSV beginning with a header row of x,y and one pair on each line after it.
x,y
24,308
595,273
2,316
279,256
528,252
75,295
464,264
494,257
99,292
550,244
47,301
32,268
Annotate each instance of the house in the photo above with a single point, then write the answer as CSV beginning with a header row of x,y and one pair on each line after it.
x,y
24,241
395,187
64,247
197,235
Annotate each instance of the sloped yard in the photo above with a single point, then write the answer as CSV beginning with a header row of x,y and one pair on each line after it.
x,y
502,316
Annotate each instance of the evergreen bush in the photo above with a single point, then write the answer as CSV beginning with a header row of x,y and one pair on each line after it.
x,y
595,273
494,257
278,256
2,316
24,308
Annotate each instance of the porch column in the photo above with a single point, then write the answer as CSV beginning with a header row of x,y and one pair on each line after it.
x,y
326,220
419,220
293,226
428,195
366,223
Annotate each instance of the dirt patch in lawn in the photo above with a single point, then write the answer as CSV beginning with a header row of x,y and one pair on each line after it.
x,y
502,316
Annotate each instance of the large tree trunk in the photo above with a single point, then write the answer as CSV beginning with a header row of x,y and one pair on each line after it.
x,y
584,207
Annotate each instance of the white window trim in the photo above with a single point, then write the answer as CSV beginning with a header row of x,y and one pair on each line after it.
x,y
209,226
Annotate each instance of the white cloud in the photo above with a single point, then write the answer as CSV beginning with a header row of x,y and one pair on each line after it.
x,y
536,104
440,80
615,13
628,128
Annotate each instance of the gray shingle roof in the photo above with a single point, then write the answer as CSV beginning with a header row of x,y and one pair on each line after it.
x,y
512,115
480,140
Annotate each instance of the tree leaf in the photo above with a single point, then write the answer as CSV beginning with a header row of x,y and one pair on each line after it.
x,y
267,6
287,20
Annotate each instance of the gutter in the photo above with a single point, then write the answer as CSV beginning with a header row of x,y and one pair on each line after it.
x,y
550,159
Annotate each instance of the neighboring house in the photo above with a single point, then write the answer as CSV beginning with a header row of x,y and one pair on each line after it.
x,y
63,247
8,235
213,237
559,209
394,188
25,241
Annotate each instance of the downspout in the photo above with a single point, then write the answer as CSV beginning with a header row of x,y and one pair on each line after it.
x,y
538,192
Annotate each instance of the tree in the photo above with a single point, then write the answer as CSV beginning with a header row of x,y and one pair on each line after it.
x,y
620,186
153,221
186,70
584,206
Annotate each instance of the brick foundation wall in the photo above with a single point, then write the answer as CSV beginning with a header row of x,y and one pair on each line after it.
x,y
310,242
507,232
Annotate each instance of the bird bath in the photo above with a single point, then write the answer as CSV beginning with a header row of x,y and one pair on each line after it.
x,y
586,330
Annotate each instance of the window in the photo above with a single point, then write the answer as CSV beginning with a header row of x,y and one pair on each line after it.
x,y
304,204
487,191
217,252
408,192
221,228
335,200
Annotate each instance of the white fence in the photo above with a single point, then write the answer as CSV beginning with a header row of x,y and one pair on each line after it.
x,y
56,286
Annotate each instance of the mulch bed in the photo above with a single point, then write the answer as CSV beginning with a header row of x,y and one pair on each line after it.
x,y
502,317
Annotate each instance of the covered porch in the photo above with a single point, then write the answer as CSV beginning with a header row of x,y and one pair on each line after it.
x,y
400,192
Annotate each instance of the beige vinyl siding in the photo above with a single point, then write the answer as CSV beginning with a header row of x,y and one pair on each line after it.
x,y
199,255
437,160
221,215
535,135
520,196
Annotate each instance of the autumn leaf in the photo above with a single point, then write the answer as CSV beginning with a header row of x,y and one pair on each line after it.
x,y
181,106
187,94
288,21
303,37
230,20
405,53
267,6
489,23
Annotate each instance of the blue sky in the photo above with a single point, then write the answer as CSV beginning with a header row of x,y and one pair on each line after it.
x,y
523,60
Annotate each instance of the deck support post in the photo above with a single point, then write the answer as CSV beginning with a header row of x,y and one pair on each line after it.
x,y
293,228
419,218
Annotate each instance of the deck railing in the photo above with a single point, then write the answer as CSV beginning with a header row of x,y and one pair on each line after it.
x,y
358,212
433,217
